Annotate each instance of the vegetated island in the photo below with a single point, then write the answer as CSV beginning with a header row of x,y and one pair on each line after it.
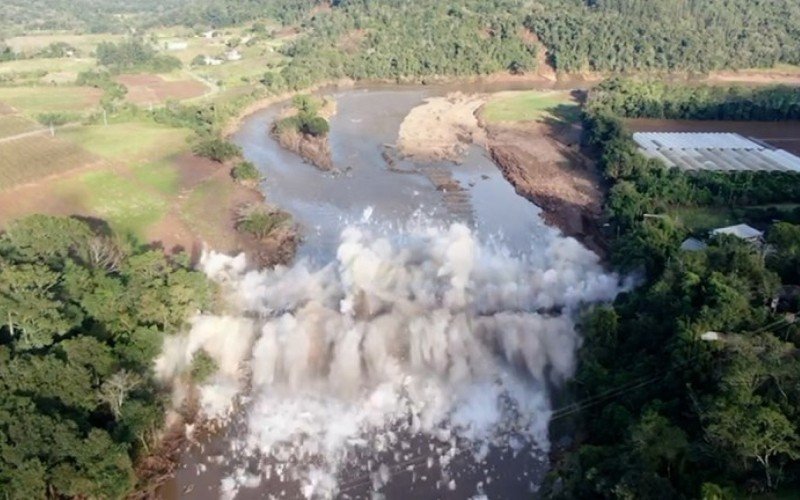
x,y
303,129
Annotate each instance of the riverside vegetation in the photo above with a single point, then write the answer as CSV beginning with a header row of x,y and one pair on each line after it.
x,y
661,412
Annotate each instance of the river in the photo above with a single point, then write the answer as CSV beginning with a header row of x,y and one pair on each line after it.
x,y
434,326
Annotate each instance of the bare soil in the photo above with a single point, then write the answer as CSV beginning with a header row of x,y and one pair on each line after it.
x,y
441,129
545,164
153,89
756,77
542,160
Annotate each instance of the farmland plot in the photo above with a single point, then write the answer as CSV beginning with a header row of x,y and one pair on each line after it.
x,y
11,125
33,158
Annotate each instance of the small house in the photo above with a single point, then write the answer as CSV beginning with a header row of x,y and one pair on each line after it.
x,y
177,45
212,61
693,245
233,55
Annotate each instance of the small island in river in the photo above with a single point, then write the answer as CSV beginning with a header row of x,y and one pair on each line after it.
x,y
303,129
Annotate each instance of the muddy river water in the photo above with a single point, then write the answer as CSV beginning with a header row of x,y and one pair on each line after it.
x,y
439,323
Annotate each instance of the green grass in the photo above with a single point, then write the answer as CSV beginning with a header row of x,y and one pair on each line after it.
x,y
47,65
701,219
532,106
32,43
33,101
133,142
196,213
127,207
160,175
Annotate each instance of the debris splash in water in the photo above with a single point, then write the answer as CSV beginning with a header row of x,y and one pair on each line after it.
x,y
424,332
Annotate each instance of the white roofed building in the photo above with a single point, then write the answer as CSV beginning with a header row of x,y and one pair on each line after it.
x,y
742,231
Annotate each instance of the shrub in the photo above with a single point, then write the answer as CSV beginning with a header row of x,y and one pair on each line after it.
x,y
56,119
216,148
314,125
246,172
203,366
260,220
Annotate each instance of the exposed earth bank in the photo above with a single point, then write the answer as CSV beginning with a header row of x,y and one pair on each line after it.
x,y
541,159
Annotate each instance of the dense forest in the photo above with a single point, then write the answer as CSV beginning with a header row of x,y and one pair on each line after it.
x,y
399,39
685,35
83,316
664,410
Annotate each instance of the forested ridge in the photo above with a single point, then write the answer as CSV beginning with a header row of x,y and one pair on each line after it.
x,y
397,39
664,410
82,317
423,38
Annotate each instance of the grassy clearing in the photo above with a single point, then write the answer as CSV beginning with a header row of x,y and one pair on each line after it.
x,y
30,44
114,197
73,66
195,210
702,219
11,125
32,158
33,101
133,142
161,176
532,106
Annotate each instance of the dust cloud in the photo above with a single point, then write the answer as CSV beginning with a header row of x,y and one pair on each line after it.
x,y
425,331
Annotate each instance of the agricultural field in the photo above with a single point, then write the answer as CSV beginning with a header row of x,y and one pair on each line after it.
x,y
48,71
33,158
144,89
115,197
531,106
131,142
11,125
85,44
33,101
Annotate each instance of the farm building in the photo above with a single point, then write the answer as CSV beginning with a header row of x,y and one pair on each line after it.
x,y
715,151
742,231
176,45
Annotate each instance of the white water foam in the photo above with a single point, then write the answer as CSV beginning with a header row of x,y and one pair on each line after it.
x,y
424,332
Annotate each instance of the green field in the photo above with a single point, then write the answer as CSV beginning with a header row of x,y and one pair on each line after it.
x,y
30,44
132,143
32,158
33,101
160,175
11,125
531,106
116,198
59,70
703,219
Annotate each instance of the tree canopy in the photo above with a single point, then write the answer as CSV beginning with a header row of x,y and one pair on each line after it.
x,y
82,317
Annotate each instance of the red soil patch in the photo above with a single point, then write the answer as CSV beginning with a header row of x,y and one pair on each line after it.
x,y
195,169
152,89
5,109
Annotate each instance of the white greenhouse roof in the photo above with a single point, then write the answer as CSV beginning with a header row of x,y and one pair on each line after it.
x,y
714,151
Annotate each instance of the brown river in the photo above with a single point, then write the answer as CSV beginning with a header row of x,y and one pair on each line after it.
x,y
413,349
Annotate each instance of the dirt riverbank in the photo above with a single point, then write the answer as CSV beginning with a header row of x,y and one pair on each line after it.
x,y
541,159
